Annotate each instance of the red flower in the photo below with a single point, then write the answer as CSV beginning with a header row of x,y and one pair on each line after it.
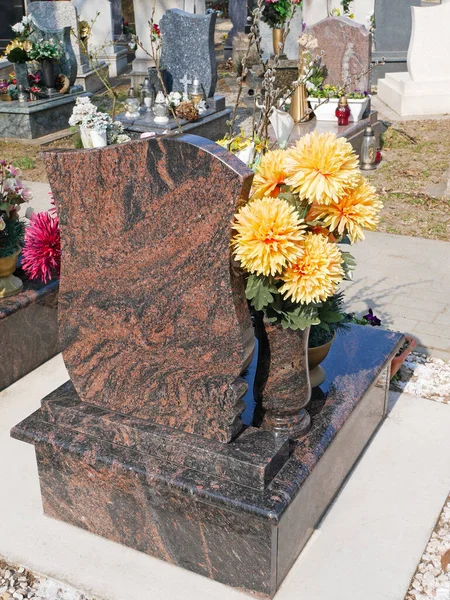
x,y
41,256
156,29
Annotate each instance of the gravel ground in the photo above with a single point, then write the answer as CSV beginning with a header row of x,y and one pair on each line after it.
x,y
424,376
17,583
432,578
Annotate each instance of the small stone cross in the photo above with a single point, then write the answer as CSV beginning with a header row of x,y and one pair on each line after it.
x,y
185,81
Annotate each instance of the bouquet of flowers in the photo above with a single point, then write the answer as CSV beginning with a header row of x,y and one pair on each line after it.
x,y
82,109
46,49
41,256
18,51
12,193
305,200
277,12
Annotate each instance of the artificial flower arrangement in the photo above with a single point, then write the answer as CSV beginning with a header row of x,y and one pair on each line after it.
x,y
41,256
305,200
277,12
332,91
18,50
13,193
88,118
46,50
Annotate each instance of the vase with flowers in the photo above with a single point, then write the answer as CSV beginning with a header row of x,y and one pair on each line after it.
x,y
276,13
18,50
12,229
46,52
305,200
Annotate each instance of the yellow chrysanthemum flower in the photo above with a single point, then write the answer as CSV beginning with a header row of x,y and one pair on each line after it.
x,y
356,210
270,175
315,275
269,236
321,166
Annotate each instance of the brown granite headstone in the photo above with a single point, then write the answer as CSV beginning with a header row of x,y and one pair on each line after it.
x,y
153,318
347,50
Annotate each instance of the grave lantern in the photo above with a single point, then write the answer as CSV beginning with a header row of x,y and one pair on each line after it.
x,y
146,95
160,109
369,150
196,92
132,104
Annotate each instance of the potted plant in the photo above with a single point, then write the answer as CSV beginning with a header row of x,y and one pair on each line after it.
x,y
305,200
83,108
12,228
46,52
324,100
275,14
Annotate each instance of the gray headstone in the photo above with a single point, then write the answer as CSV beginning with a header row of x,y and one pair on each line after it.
x,y
55,16
393,23
116,6
347,50
188,49
238,11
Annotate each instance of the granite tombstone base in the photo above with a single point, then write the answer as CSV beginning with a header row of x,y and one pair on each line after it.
x,y
30,120
28,329
238,513
212,124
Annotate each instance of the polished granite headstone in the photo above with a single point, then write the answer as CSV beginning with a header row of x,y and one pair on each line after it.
x,y
188,49
145,445
347,50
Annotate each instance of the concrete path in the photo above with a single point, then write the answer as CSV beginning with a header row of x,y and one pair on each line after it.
x,y
367,547
405,280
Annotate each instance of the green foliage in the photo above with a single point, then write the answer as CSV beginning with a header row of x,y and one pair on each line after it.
x,y
348,264
11,238
276,15
263,295
346,6
17,55
333,318
24,162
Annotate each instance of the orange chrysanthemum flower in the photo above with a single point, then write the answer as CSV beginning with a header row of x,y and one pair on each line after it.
x,y
356,210
269,236
270,175
315,275
321,166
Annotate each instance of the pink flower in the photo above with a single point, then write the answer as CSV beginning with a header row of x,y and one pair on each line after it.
x,y
41,256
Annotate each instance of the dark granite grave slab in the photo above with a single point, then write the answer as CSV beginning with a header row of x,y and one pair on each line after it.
x,y
28,329
30,120
354,132
212,124
252,460
243,537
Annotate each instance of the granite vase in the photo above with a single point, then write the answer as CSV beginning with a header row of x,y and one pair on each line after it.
x,y
9,283
282,385
48,73
21,71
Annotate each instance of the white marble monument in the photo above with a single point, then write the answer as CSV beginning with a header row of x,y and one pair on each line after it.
x,y
142,14
425,88
102,41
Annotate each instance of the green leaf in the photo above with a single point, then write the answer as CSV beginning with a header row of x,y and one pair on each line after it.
x,y
259,291
330,316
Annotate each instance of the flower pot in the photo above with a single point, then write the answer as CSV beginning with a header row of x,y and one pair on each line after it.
x,y
48,73
98,138
21,71
5,98
358,108
397,361
315,357
85,136
282,386
277,38
326,111
9,284
299,104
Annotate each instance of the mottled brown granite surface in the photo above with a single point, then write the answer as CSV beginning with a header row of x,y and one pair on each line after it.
x,y
282,383
243,537
28,329
153,320
347,50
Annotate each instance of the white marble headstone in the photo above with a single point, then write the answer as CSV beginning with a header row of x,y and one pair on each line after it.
x,y
429,49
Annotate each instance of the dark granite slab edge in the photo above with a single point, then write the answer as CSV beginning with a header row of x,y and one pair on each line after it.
x,y
29,295
343,397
